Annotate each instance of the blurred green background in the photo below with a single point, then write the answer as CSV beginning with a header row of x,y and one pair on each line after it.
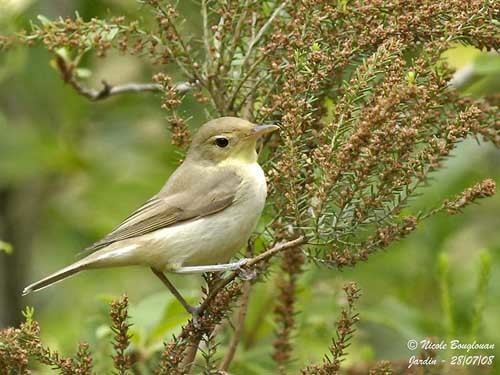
x,y
70,170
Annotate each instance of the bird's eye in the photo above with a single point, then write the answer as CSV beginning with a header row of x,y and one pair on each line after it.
x,y
221,142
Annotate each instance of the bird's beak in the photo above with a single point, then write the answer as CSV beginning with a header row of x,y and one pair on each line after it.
x,y
260,130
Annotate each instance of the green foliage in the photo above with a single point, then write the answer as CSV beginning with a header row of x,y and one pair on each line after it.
x,y
446,299
481,295
6,247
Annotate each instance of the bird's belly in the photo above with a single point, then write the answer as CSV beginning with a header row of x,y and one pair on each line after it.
x,y
208,240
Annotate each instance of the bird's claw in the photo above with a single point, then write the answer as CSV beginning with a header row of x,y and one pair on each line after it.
x,y
241,263
245,273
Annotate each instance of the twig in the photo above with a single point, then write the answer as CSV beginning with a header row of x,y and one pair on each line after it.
x,y
214,85
190,355
236,36
110,90
193,346
218,44
238,327
248,106
259,258
183,45
208,48
243,80
255,39
67,73
192,349
261,32
179,63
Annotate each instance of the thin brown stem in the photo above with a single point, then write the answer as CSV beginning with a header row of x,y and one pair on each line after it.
x,y
67,73
262,31
238,326
190,355
252,262
243,80
206,33
251,46
184,69
247,105
236,35
183,45
192,348
219,45
109,90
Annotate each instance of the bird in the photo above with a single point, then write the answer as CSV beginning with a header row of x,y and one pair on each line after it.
x,y
203,215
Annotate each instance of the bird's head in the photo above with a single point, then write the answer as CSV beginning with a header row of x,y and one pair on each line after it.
x,y
227,139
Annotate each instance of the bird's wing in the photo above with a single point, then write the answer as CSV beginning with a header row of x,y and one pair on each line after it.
x,y
209,195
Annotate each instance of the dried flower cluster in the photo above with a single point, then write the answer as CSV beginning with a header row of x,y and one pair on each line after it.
x,y
291,267
18,346
483,189
366,114
174,359
120,326
80,36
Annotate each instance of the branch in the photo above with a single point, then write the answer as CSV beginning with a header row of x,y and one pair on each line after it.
x,y
238,329
244,79
261,32
191,63
236,36
108,90
67,73
206,31
239,324
190,355
213,292
251,262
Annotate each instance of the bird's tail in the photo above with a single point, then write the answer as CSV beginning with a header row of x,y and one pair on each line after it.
x,y
55,277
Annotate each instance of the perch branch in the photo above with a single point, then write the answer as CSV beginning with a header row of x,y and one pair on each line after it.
x,y
192,349
251,262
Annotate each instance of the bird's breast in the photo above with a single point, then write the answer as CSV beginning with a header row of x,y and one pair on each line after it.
x,y
227,231
253,188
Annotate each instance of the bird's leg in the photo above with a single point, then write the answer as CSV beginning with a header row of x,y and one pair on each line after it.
x,y
189,308
212,268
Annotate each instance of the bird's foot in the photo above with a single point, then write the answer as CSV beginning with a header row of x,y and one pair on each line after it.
x,y
245,273
241,263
